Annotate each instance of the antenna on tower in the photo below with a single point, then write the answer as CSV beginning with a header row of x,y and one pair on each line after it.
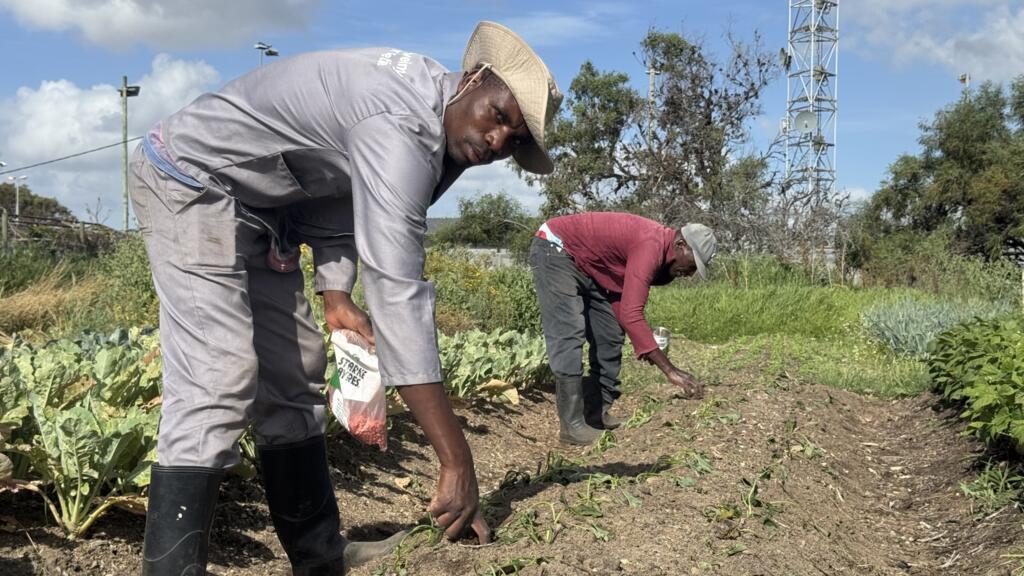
x,y
811,61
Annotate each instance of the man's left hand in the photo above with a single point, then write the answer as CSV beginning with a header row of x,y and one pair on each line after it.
x,y
342,313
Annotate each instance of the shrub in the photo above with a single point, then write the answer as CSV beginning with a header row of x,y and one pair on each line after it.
x,y
470,293
981,365
908,325
931,262
128,298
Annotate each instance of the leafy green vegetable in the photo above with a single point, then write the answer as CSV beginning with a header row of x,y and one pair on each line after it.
x,y
981,365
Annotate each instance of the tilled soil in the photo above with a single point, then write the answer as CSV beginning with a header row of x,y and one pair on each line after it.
x,y
803,480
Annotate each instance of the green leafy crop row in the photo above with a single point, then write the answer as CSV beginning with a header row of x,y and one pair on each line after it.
x,y
981,365
77,419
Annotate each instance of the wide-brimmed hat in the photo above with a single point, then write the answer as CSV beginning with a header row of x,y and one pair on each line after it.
x,y
525,74
702,243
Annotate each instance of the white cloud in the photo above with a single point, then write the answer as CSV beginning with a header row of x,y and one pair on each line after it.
x,y
492,178
60,118
980,37
164,24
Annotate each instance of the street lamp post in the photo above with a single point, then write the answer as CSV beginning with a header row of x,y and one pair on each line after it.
x,y
265,50
126,92
17,193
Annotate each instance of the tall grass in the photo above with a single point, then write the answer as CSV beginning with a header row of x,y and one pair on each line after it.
x,y
52,303
719,312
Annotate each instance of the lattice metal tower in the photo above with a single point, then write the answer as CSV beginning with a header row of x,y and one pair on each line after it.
x,y
811,61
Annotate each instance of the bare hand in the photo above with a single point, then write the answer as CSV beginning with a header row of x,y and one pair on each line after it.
x,y
692,388
342,313
456,504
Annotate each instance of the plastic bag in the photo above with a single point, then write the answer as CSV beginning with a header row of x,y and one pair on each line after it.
x,y
356,395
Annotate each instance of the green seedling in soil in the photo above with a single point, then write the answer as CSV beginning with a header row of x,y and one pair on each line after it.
x,y
808,449
529,525
684,481
588,506
727,511
645,412
995,487
699,462
524,525
421,535
559,470
511,566
599,479
751,498
603,444
707,410
729,417
601,534
735,549
631,501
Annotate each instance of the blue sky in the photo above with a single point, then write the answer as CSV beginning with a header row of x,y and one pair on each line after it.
x,y
62,59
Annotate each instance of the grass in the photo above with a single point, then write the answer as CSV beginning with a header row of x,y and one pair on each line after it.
x,y
717,313
51,303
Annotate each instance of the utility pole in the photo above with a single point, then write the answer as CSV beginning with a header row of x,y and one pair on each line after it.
x,y
126,92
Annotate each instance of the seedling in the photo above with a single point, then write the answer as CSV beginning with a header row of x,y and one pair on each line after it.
x,y
645,412
600,533
604,443
995,487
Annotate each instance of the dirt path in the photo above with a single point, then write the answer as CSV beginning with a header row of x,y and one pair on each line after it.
x,y
748,481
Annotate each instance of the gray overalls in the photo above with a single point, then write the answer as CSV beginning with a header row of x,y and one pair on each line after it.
x,y
341,150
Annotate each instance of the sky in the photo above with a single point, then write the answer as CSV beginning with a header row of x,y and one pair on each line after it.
x,y
61,62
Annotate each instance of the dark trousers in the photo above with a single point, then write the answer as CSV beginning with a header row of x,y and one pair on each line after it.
x,y
574,310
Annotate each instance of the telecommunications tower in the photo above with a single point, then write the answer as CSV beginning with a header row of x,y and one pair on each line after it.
x,y
811,62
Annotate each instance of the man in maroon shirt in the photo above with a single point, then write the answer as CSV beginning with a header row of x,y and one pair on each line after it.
x,y
593,273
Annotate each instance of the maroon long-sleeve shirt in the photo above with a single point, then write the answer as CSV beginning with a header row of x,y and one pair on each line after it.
x,y
625,254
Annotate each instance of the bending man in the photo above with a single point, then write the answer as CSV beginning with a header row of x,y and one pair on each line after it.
x,y
593,273
343,150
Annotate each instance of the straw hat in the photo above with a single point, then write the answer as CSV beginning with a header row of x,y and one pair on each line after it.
x,y
529,80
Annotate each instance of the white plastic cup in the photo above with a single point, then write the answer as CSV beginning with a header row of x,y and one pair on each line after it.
x,y
661,337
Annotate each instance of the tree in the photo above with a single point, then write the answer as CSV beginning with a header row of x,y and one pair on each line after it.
x,y
488,220
31,204
680,155
967,179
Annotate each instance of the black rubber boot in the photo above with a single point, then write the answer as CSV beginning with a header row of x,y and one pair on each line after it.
x,y
303,506
305,511
573,428
611,421
596,408
182,500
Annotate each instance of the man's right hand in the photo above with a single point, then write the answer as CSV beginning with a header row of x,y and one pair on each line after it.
x,y
456,503
692,387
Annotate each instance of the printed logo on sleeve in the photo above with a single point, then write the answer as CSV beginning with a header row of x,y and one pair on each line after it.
x,y
397,60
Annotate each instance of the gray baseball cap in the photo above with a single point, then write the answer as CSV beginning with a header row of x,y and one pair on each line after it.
x,y
701,241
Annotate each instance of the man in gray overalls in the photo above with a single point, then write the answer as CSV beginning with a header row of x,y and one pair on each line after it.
x,y
342,150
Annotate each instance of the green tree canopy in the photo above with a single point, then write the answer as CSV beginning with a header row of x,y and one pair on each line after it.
x,y
968,178
488,220
31,204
